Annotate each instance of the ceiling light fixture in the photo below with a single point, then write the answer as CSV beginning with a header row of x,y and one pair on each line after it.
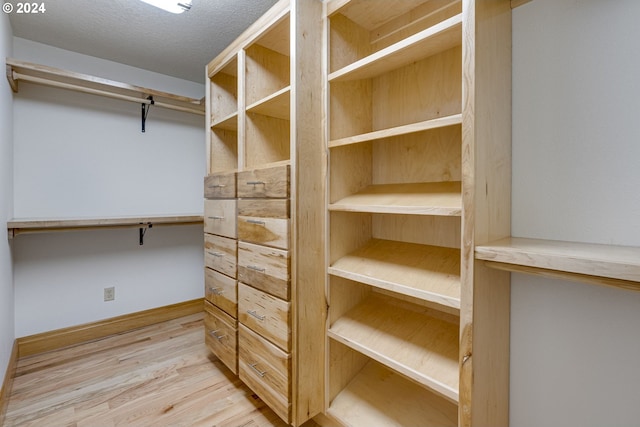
x,y
173,6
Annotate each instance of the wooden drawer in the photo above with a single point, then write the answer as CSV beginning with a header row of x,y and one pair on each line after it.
x,y
264,221
221,291
264,314
221,335
220,186
221,254
264,268
266,370
268,182
220,217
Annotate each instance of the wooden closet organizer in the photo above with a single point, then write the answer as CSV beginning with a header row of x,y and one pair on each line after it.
x,y
264,209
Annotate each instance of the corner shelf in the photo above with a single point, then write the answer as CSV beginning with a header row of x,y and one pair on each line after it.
x,y
42,225
611,265
17,71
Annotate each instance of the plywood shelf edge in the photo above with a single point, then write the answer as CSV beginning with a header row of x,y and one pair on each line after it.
x,y
437,123
44,225
49,76
611,265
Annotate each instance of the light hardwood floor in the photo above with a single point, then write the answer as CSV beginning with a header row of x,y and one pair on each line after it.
x,y
160,375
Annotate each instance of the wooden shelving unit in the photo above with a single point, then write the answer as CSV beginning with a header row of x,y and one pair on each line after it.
x,y
42,225
413,176
263,128
592,263
18,71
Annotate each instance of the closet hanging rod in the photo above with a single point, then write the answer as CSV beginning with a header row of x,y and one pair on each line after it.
x,y
77,88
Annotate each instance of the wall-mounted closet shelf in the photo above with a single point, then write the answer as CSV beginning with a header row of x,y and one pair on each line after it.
x,y
49,76
592,263
24,226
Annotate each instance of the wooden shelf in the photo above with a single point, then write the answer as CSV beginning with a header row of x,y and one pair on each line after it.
x,y
378,397
386,331
276,105
430,273
441,122
593,263
49,76
43,225
435,39
229,122
432,198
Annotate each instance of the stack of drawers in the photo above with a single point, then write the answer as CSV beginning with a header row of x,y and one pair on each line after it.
x,y
220,257
264,295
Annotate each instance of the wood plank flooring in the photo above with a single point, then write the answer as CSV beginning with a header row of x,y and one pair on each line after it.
x,y
160,375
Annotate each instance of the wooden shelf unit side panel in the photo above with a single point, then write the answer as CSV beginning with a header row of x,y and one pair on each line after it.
x,y
343,366
348,232
430,156
348,42
267,72
223,150
486,163
224,94
426,89
308,209
350,109
350,170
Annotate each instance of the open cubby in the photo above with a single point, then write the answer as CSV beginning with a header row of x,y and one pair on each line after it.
x,y
267,140
224,97
224,150
268,64
425,90
416,256
364,28
390,175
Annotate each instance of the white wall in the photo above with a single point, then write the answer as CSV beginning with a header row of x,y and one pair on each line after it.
x,y
6,202
576,152
83,155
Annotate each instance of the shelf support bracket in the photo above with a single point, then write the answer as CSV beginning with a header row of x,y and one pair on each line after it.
x,y
12,81
145,111
143,230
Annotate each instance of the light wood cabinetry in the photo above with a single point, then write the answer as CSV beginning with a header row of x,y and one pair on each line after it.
x,y
264,123
419,146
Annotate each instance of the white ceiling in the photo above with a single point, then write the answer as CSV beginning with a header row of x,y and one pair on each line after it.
x,y
137,34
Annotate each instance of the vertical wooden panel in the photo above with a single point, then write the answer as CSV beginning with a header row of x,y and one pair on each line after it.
x,y
308,189
486,166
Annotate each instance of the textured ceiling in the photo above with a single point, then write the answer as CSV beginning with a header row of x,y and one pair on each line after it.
x,y
137,34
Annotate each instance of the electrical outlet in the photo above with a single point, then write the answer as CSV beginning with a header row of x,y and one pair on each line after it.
x,y
110,293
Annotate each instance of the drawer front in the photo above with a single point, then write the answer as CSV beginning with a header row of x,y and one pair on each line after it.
x,y
221,291
221,335
264,208
269,182
220,186
264,231
266,370
264,314
264,268
221,254
220,217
